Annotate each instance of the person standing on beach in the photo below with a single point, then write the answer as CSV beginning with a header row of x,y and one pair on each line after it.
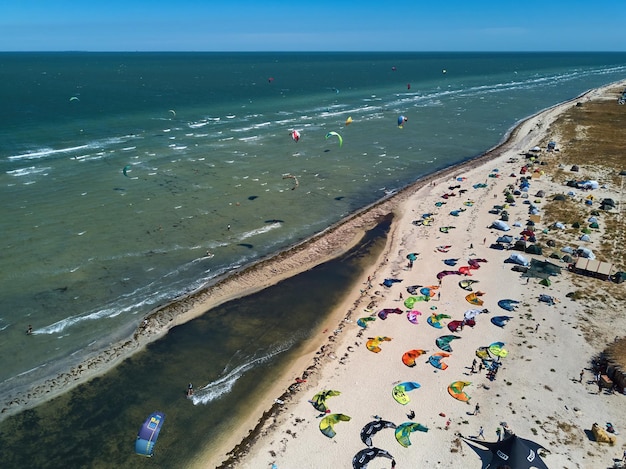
x,y
582,373
476,410
481,433
499,433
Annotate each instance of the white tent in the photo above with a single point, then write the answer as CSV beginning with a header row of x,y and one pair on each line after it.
x,y
500,225
585,252
518,259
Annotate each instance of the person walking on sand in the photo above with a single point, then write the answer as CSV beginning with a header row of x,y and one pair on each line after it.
x,y
499,433
481,433
401,296
476,409
582,373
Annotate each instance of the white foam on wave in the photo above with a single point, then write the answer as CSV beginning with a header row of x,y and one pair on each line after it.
x,y
263,229
44,152
253,138
31,170
224,384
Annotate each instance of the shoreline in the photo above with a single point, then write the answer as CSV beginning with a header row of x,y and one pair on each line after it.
x,y
271,419
325,350
265,272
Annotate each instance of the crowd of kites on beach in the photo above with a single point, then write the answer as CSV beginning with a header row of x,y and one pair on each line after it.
x,y
488,357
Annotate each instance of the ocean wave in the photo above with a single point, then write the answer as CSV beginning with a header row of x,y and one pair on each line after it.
x,y
258,231
28,171
99,144
223,385
44,152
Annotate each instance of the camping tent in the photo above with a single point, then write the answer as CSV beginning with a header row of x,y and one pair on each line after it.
x,y
506,239
533,249
542,269
585,252
500,225
518,259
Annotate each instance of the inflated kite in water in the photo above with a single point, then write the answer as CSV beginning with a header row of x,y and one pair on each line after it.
x,y
295,180
327,424
319,400
456,390
399,391
443,342
401,121
295,135
369,430
408,358
373,343
148,434
404,430
363,457
335,134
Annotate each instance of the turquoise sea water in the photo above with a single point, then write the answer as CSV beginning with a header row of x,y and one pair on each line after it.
x,y
205,139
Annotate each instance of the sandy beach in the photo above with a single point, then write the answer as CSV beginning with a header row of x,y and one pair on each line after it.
x,y
538,390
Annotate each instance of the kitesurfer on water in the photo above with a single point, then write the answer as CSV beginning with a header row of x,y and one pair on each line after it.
x,y
190,390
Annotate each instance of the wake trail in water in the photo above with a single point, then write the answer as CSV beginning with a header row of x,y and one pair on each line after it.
x,y
224,384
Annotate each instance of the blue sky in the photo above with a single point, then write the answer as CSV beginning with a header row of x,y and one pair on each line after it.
x,y
276,25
